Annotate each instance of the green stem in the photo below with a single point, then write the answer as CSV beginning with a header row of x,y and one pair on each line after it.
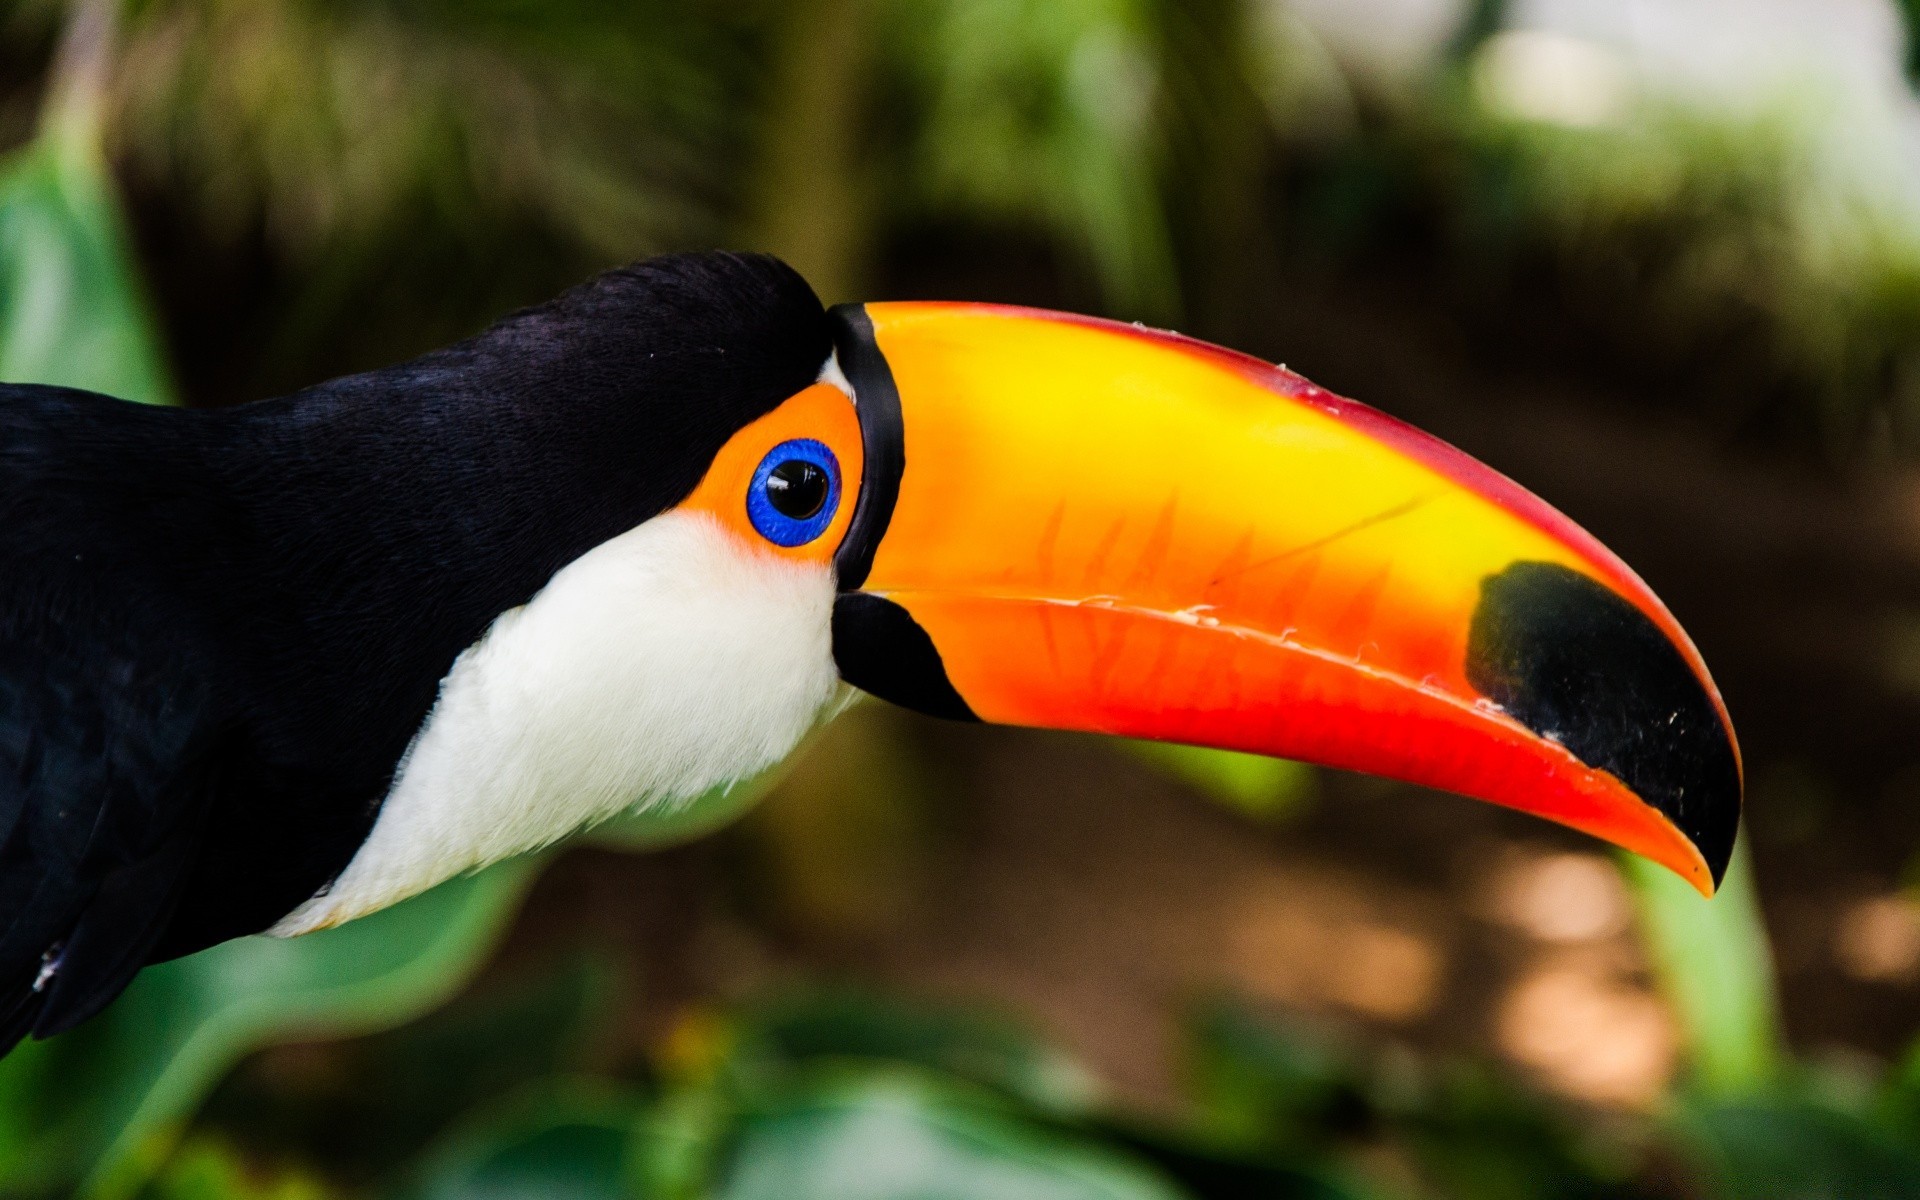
x,y
1715,965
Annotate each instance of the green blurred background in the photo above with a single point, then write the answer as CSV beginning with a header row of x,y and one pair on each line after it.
x,y
1657,259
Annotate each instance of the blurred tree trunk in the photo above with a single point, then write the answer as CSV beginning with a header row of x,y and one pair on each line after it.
x,y
1221,148
812,204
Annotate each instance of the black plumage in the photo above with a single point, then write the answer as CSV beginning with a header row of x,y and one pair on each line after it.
x,y
220,630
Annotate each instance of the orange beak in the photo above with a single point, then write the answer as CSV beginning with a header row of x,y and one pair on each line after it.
x,y
1076,524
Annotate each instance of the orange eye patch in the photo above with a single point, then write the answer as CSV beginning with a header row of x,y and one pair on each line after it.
x,y
765,502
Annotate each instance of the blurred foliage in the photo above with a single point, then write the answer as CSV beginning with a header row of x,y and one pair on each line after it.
x,y
872,1134
566,1139
106,1102
383,152
1760,1150
1763,248
207,1169
1310,1095
1673,228
71,306
985,1052
850,1096
63,243
1265,788
842,1094
1465,1132
1030,109
343,126
386,151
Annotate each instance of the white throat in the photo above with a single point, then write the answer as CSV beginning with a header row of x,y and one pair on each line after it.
x,y
662,663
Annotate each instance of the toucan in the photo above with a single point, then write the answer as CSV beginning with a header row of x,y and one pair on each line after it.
x,y
272,667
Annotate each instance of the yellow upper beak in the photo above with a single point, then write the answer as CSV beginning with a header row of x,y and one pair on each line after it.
x,y
1076,524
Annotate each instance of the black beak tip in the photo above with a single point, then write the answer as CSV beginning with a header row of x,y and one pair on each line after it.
x,y
1574,661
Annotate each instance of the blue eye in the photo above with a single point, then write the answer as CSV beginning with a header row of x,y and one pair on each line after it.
x,y
794,493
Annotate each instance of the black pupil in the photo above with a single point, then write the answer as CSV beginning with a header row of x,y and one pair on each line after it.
x,y
797,488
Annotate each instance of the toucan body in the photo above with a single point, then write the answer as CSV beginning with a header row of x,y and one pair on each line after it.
x,y
270,668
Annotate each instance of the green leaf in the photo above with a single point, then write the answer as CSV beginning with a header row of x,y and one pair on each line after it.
x,y
1716,967
71,308
964,1045
1267,789
1477,1133
106,1102
210,1170
380,1098
883,1136
1207,1168
568,1140
1799,1150
1259,1084
1298,1094
809,1045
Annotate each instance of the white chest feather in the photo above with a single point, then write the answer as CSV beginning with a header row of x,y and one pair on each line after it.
x,y
660,664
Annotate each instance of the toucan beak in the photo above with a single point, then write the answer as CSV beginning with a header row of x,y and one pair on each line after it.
x,y
1076,524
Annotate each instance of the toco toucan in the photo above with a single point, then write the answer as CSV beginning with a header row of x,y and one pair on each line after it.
x,y
274,667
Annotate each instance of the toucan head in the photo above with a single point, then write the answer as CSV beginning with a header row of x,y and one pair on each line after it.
x,y
1047,520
